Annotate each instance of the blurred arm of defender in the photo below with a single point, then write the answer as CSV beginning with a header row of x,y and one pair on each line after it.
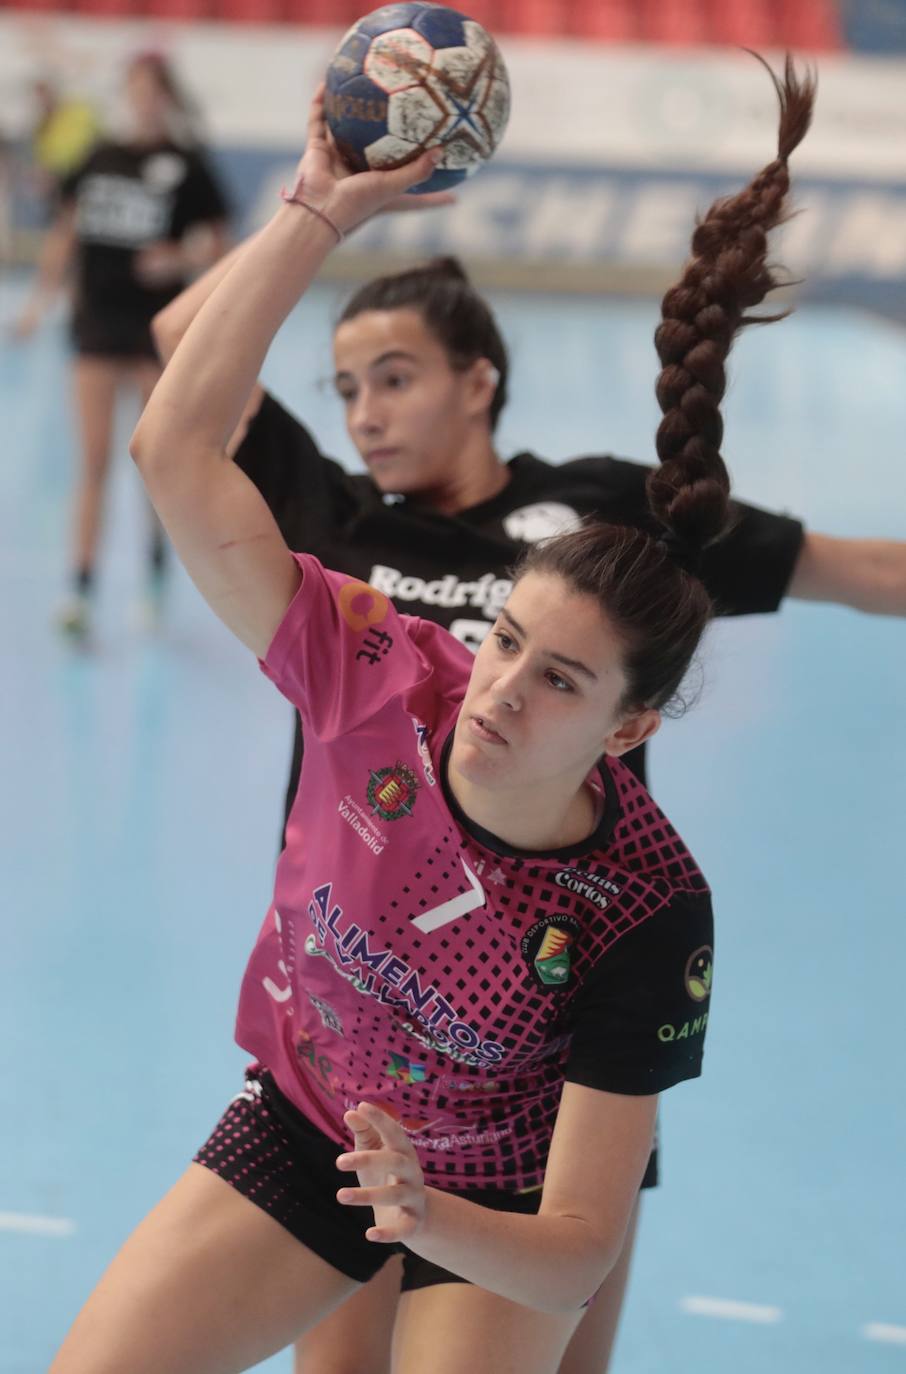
x,y
866,574
218,522
54,262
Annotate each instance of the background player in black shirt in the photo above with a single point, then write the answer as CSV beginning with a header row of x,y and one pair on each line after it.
x,y
422,371
135,219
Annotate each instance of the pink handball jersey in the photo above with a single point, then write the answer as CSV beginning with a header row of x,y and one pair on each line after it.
x,y
413,960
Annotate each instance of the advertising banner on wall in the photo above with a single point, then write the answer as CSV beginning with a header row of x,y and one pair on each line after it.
x,y
610,153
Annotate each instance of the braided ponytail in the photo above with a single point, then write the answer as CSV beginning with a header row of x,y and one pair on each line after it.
x,y
727,274
646,585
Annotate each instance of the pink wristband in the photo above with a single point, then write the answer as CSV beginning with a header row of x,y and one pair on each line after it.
x,y
293,198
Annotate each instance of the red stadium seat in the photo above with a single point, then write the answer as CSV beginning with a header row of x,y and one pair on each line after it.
x,y
548,17
250,11
329,14
40,6
674,21
814,25
114,9
189,10
745,23
608,21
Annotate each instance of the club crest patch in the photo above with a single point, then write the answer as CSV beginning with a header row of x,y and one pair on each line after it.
x,y
546,949
391,792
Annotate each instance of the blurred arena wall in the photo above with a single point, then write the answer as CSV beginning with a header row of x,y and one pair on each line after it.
x,y
610,151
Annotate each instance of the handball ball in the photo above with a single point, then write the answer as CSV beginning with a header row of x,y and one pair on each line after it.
x,y
409,77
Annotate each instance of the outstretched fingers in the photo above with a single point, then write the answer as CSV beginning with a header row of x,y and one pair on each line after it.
x,y
390,1132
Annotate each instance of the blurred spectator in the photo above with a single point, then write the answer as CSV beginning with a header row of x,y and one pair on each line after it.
x,y
136,220
64,131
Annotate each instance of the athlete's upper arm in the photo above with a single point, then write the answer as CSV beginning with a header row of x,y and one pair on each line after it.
x,y
600,1148
227,539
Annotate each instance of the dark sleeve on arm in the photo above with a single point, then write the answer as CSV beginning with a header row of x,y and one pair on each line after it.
x,y
748,571
310,496
638,1021
202,198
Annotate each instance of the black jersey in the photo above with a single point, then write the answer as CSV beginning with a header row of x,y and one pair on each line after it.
x,y
127,197
454,569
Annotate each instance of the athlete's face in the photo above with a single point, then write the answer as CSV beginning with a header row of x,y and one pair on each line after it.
x,y
409,413
149,102
544,698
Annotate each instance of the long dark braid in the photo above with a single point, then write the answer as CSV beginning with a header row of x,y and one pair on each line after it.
x,y
727,274
647,585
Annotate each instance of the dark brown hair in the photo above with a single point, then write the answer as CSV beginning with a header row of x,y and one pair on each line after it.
x,y
647,583
185,110
454,312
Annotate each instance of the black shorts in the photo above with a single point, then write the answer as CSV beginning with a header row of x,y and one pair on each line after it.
x,y
267,1150
103,335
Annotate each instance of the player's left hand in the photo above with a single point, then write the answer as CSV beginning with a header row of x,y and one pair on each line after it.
x,y
390,1176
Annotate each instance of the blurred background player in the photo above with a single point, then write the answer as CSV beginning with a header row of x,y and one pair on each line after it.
x,y
136,219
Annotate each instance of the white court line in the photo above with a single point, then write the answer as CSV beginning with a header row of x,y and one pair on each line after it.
x,y
734,1311
882,1331
36,1226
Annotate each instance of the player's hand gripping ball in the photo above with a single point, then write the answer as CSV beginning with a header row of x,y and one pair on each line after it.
x,y
409,77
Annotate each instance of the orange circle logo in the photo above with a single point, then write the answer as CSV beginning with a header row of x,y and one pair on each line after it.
x,y
360,605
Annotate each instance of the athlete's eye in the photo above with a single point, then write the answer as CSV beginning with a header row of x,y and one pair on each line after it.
x,y
346,394
505,641
558,682
397,381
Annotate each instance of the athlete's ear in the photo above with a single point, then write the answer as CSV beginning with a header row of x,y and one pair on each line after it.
x,y
482,379
632,731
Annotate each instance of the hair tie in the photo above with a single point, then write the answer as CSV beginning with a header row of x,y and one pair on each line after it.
x,y
294,197
685,555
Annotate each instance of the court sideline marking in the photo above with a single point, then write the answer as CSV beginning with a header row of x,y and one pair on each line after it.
x,y
27,1224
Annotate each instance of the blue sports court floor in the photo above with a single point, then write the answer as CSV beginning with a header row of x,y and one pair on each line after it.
x,y
141,790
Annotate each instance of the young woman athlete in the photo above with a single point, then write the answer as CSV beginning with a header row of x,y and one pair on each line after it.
x,y
423,371
482,925
135,220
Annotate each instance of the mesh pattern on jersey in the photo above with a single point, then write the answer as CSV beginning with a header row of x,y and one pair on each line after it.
x,y
474,1121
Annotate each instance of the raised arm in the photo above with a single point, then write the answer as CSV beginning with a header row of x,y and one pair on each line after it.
x,y
171,323
217,520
